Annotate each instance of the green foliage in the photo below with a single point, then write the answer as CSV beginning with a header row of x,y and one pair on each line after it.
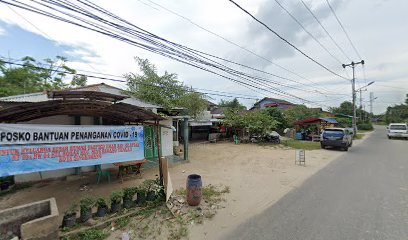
x,y
164,90
345,108
193,102
101,202
86,203
299,112
257,122
122,222
35,76
116,196
233,104
365,126
72,209
129,192
93,234
277,115
307,145
397,113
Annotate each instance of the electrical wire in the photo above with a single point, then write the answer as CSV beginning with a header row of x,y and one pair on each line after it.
x,y
325,30
231,42
344,30
157,47
287,42
308,32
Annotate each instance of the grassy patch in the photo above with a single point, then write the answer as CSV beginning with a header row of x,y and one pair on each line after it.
x,y
91,234
364,131
307,145
122,222
359,136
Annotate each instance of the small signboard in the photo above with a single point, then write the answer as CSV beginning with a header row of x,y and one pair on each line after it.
x,y
300,157
26,148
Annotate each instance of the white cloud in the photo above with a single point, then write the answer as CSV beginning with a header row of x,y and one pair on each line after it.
x,y
376,28
2,31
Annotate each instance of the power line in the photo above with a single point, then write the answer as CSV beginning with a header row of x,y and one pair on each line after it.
x,y
208,92
229,41
309,33
344,30
286,41
157,47
325,30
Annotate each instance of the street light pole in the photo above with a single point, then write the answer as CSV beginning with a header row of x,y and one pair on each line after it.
x,y
353,88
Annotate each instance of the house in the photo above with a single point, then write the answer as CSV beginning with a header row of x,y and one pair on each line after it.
x,y
272,103
71,116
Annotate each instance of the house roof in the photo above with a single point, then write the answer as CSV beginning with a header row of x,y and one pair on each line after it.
x,y
100,87
280,101
315,120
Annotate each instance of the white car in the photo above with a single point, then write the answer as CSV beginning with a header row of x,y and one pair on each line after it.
x,y
397,130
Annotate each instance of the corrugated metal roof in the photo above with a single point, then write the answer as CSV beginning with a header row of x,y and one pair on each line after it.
x,y
30,97
101,87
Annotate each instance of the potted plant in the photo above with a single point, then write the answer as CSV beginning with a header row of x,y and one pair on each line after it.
x,y
141,195
153,189
116,198
70,216
102,207
85,206
128,194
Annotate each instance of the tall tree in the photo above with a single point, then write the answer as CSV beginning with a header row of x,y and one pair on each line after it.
x,y
34,76
234,104
164,90
299,112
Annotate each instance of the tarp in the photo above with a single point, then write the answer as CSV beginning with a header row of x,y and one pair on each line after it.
x,y
26,148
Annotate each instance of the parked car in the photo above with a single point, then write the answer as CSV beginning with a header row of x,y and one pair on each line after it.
x,y
336,137
397,130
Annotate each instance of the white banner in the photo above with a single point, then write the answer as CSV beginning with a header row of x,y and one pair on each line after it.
x,y
16,134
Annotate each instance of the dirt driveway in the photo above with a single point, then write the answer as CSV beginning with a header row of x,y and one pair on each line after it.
x,y
257,175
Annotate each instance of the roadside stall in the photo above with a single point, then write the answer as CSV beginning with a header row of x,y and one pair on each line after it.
x,y
311,128
28,147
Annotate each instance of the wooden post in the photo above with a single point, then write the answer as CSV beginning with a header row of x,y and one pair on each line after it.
x,y
158,133
185,128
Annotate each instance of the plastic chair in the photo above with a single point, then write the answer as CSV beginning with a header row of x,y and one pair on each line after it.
x,y
100,172
236,139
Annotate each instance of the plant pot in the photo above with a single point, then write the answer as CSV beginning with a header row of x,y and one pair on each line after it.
x,y
141,198
115,207
4,185
69,220
127,202
101,212
151,196
85,215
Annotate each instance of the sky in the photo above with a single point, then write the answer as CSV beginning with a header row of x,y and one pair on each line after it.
x,y
377,28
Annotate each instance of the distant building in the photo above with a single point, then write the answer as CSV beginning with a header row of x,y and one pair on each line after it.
x,y
272,103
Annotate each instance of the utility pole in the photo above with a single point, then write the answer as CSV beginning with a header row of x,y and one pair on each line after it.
x,y
371,102
353,89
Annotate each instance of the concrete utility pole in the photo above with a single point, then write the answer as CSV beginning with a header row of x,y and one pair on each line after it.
x,y
353,88
372,98
363,88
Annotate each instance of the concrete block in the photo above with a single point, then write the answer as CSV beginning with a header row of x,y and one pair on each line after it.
x,y
33,221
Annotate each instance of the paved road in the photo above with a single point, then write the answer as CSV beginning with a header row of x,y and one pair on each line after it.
x,y
361,195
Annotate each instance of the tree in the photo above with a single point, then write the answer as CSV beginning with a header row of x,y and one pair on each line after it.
x,y
234,104
194,103
257,122
299,112
345,108
34,76
277,115
164,90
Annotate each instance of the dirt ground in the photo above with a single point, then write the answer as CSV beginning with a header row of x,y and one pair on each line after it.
x,y
257,176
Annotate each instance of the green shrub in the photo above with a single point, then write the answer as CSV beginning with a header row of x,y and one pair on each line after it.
x,y
365,126
86,203
100,202
116,196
